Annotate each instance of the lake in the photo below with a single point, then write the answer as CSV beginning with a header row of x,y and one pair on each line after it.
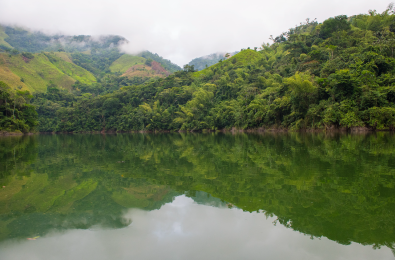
x,y
198,196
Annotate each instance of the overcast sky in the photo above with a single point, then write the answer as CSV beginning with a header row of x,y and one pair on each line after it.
x,y
175,29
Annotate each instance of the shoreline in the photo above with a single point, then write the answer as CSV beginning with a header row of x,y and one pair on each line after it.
x,y
332,129
233,130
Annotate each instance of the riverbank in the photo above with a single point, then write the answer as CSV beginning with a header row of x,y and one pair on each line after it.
x,y
272,129
16,133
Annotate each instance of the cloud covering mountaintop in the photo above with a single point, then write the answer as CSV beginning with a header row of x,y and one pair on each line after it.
x,y
177,30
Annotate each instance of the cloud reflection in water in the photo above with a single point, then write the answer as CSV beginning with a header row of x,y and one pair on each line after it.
x,y
184,229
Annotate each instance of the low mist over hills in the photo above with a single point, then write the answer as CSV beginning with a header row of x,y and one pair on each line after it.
x,y
29,41
208,60
338,74
33,60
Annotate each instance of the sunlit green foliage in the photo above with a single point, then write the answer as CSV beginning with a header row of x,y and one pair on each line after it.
x,y
338,74
16,114
125,62
34,72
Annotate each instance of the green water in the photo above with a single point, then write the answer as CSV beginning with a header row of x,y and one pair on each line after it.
x,y
197,196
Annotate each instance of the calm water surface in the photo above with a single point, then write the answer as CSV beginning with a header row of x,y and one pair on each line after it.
x,y
197,196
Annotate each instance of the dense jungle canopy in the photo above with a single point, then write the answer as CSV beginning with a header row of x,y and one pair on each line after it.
x,y
335,74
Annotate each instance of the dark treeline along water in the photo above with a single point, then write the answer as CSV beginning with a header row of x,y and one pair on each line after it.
x,y
335,186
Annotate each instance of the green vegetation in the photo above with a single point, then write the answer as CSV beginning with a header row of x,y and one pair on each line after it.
x,y
98,61
37,73
108,84
125,62
16,114
33,41
26,41
80,64
335,186
168,65
77,57
95,55
34,72
65,65
3,44
68,198
338,74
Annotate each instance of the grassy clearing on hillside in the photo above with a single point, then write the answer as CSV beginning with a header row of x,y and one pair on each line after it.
x,y
36,74
63,63
64,56
6,75
3,36
39,72
125,62
141,70
242,58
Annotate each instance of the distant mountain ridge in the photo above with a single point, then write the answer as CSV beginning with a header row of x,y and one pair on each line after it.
x,y
81,59
28,41
209,60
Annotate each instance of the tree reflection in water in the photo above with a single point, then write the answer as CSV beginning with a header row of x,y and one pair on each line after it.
x,y
338,186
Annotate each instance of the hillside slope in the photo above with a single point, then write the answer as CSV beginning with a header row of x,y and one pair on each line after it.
x,y
125,62
242,58
4,36
95,54
166,64
145,71
36,41
135,66
37,73
339,74
64,63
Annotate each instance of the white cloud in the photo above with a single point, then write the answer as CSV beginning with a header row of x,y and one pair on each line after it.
x,y
178,30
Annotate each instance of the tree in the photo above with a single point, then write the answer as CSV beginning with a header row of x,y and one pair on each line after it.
x,y
148,62
302,90
338,23
331,49
189,68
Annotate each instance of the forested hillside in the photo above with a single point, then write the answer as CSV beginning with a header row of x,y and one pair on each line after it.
x,y
78,67
24,40
167,64
88,55
335,74
338,74
101,51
